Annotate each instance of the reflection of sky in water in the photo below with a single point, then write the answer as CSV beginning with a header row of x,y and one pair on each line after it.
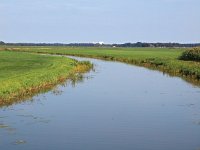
x,y
118,107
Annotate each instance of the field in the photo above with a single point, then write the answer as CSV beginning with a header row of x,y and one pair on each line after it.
x,y
24,74
163,59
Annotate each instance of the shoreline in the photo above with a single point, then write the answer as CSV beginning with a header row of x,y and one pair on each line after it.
x,y
74,73
184,73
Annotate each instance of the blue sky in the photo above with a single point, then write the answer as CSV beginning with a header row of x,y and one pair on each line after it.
x,y
110,21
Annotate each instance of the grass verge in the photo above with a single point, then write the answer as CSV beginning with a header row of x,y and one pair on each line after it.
x,y
23,74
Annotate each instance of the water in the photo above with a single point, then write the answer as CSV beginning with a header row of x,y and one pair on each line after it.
x,y
117,107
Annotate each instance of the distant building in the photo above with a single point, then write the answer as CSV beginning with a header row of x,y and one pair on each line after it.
x,y
100,43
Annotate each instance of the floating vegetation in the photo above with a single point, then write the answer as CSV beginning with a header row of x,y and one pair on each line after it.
x,y
20,142
3,126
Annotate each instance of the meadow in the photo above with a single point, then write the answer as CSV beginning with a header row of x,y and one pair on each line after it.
x,y
166,60
24,74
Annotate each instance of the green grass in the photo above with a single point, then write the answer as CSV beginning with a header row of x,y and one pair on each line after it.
x,y
163,59
23,74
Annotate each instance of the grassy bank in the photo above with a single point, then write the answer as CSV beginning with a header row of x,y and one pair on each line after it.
x,y
24,74
163,59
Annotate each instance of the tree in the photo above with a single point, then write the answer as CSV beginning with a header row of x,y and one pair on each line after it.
x,y
1,43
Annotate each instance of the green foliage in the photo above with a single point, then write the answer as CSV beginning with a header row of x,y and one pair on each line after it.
x,y
191,54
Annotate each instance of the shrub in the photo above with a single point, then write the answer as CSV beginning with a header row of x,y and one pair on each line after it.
x,y
191,54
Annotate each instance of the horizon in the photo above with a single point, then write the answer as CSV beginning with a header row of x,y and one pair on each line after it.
x,y
101,43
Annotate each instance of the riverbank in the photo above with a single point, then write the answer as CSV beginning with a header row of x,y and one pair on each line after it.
x,y
23,74
114,105
162,59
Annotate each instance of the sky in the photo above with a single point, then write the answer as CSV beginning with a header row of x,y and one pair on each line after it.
x,y
109,21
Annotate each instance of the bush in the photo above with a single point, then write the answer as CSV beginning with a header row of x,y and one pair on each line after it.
x,y
191,54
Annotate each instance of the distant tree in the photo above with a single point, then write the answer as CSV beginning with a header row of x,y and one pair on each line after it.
x,y
1,43
138,44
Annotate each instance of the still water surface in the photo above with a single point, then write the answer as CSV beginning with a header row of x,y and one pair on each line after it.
x,y
116,107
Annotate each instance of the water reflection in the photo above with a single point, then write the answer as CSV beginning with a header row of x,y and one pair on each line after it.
x,y
73,81
24,118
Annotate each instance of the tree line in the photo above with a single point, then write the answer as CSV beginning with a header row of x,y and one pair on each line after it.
x,y
138,44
